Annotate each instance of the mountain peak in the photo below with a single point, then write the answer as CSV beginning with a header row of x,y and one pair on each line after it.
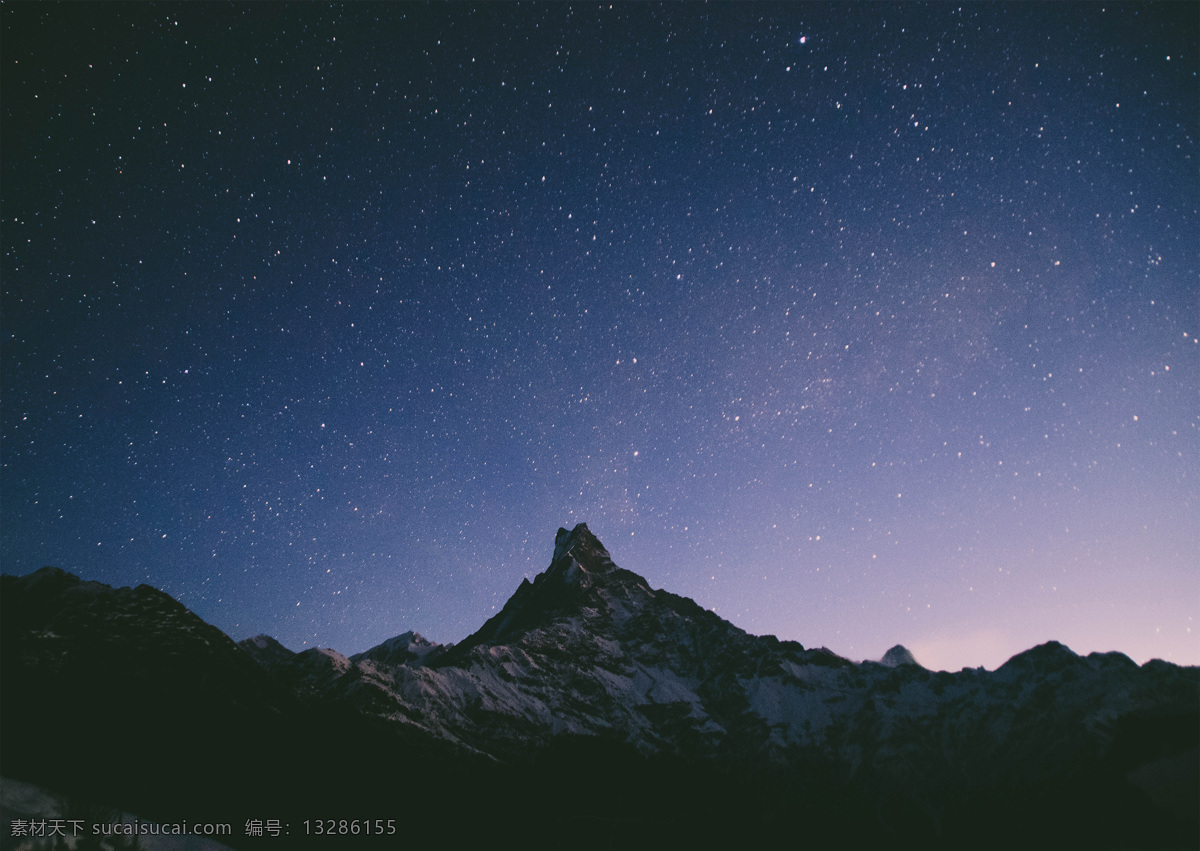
x,y
580,562
1050,656
579,551
899,655
266,651
407,648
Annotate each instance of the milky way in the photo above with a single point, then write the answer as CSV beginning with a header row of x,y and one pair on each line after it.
x,y
856,328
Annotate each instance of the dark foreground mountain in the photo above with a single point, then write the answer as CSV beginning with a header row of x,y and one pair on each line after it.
x,y
592,711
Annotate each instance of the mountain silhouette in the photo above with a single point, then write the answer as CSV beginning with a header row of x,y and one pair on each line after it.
x,y
615,710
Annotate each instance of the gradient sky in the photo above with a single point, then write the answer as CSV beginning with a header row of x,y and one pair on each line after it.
x,y
859,324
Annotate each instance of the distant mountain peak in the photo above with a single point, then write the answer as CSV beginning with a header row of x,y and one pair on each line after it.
x,y
49,573
407,648
1050,656
899,655
266,651
261,641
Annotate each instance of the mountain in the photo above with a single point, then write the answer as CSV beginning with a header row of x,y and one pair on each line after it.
x,y
121,699
625,710
897,656
266,651
409,648
588,648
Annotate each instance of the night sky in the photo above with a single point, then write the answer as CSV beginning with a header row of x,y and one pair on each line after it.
x,y
858,324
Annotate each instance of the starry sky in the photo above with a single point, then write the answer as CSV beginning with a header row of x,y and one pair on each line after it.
x,y
858,324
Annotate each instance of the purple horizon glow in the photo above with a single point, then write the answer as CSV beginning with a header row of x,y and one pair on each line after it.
x,y
858,332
